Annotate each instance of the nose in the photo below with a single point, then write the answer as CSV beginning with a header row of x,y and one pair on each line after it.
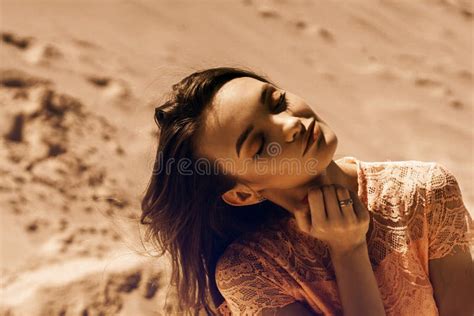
x,y
293,129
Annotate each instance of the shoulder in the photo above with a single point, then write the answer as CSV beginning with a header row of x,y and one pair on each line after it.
x,y
450,226
426,179
251,280
423,173
252,249
237,253
440,187
377,179
393,188
262,254
441,184
396,170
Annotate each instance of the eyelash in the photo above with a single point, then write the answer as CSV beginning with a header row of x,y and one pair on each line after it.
x,y
283,100
259,152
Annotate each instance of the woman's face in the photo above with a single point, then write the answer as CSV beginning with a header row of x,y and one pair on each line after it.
x,y
253,135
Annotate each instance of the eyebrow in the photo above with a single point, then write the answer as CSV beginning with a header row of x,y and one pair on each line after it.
x,y
243,137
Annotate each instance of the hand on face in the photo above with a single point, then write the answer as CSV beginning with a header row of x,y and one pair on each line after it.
x,y
343,228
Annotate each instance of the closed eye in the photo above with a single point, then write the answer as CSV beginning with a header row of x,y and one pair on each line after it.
x,y
282,105
260,150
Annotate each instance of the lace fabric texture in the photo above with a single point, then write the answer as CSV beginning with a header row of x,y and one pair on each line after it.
x,y
416,214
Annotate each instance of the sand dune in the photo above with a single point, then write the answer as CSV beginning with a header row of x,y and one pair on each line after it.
x,y
79,80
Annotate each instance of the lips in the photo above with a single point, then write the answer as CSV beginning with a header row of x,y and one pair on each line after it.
x,y
309,137
316,133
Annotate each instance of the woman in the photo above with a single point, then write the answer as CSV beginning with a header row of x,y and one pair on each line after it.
x,y
259,219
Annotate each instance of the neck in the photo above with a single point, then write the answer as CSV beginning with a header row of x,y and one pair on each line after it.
x,y
343,174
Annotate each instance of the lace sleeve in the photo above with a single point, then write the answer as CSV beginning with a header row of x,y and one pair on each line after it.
x,y
449,222
250,282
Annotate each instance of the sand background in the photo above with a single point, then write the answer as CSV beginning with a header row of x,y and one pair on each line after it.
x,y
80,79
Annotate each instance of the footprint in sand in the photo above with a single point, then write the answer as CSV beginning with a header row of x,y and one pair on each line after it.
x,y
300,24
34,51
152,286
267,11
82,240
422,80
37,100
43,54
325,34
44,116
112,88
20,42
13,78
437,88
464,7
315,30
465,75
381,71
36,225
456,104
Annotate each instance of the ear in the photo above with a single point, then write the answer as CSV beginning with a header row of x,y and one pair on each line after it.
x,y
242,195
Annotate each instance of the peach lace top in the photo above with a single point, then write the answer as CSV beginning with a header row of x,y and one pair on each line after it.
x,y
417,214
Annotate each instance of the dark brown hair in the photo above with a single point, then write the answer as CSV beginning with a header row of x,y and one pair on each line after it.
x,y
184,212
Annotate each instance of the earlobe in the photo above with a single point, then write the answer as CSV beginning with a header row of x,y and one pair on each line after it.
x,y
230,200
239,197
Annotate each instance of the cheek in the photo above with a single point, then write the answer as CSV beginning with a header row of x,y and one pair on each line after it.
x,y
301,107
285,180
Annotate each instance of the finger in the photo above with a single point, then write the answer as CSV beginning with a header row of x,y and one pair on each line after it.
x,y
316,206
347,210
359,208
331,203
303,220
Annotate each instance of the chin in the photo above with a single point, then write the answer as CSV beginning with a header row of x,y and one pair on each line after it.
x,y
327,149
